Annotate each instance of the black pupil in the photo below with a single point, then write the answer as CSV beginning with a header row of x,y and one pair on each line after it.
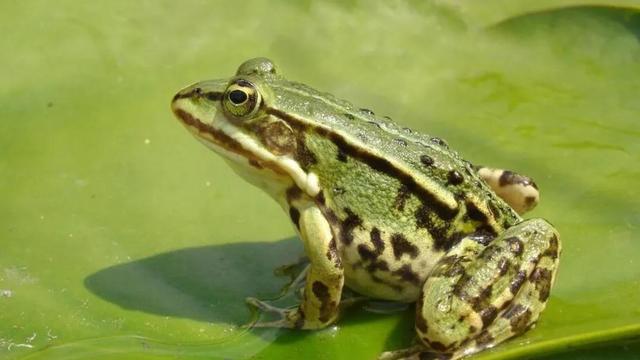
x,y
237,97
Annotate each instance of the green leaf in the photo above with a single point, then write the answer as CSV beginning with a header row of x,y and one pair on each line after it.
x,y
124,238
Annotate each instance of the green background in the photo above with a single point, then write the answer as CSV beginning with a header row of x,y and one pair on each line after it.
x,y
122,237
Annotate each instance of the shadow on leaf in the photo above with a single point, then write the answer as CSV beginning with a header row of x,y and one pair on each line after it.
x,y
208,283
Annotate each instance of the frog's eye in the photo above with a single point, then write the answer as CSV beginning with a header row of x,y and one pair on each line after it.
x,y
241,99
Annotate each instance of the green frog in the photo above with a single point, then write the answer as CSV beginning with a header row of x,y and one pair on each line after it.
x,y
384,210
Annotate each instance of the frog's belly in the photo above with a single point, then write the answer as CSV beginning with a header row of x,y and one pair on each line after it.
x,y
385,276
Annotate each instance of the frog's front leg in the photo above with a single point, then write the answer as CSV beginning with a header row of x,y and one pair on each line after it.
x,y
325,277
519,191
478,296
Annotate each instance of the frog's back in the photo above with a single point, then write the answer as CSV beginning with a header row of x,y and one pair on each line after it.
x,y
424,164
397,199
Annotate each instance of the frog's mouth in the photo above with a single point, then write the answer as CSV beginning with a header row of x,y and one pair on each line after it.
x,y
218,134
193,106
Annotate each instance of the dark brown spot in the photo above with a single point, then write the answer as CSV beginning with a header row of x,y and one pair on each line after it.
x,y
552,250
506,178
407,274
423,217
293,193
517,281
437,346
366,253
303,155
529,201
401,198
454,178
487,315
320,290
327,307
294,214
349,116
376,240
427,219
474,212
519,317
542,280
348,225
377,265
426,160
367,111
401,246
320,198
485,295
515,245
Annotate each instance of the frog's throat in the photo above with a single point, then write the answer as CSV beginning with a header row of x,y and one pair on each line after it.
x,y
233,144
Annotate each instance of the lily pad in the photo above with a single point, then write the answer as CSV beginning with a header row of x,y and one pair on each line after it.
x,y
122,237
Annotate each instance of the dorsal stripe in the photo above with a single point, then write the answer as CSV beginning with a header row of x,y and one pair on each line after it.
x,y
445,210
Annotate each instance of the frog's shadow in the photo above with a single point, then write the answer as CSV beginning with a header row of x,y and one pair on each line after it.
x,y
208,283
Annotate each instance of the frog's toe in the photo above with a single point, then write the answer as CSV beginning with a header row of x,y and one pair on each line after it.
x,y
261,305
282,323
288,318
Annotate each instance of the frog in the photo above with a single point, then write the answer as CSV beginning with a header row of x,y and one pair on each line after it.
x,y
382,210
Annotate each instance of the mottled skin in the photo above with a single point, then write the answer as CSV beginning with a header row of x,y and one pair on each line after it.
x,y
389,212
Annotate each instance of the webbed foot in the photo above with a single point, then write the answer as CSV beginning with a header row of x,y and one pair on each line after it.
x,y
288,318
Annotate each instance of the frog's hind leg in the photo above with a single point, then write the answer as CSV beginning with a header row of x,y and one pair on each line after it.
x,y
480,295
519,191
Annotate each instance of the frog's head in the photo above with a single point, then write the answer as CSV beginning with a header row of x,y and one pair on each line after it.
x,y
232,117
